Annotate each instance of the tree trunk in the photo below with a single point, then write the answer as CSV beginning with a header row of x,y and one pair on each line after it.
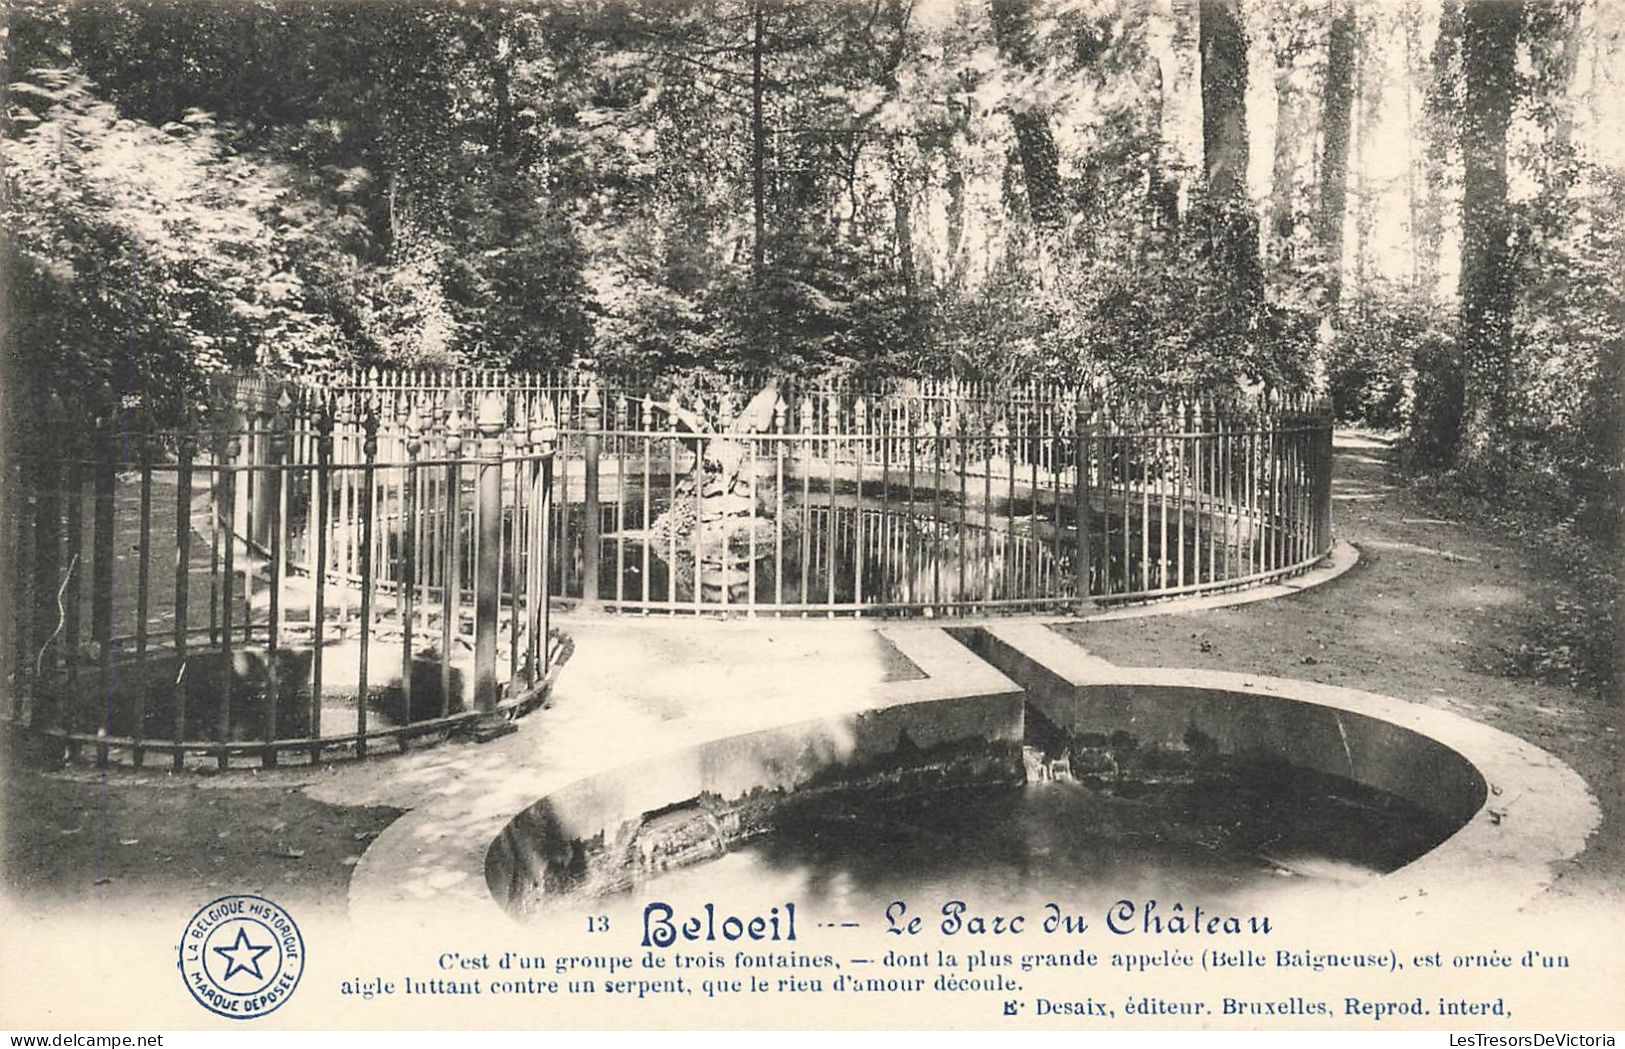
x,y
1334,158
1283,171
394,215
905,235
1160,188
1441,138
1040,160
1438,396
1231,226
1410,19
1563,132
1555,34
504,140
1489,56
1224,99
1362,123
758,139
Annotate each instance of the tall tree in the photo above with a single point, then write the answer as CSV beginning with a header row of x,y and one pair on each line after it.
x,y
1336,113
1223,44
1489,72
1231,224
758,138
1410,26
1287,44
1016,35
1441,121
1171,39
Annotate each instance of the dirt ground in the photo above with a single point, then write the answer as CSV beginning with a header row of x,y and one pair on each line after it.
x,y
1426,616
1429,615
74,836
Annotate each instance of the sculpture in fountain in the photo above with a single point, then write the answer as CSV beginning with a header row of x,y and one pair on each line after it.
x,y
719,523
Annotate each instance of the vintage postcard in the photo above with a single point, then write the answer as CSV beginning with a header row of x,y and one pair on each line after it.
x,y
813,514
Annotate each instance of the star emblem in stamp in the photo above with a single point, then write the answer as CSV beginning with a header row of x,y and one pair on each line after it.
x,y
241,956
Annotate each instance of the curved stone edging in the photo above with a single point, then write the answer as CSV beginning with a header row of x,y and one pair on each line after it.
x,y
1342,557
1535,810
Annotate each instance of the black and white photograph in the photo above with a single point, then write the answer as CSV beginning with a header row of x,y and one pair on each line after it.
x,y
918,515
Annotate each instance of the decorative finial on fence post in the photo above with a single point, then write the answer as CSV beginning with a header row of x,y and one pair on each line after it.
x,y
326,420
520,430
490,420
544,432
281,426
454,428
369,427
414,432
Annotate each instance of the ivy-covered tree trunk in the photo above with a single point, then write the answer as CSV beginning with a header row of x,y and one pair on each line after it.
x,y
903,229
758,142
1489,59
1174,45
504,130
1224,99
1441,115
1035,143
1410,19
1364,120
1337,110
1283,170
1232,226
1438,393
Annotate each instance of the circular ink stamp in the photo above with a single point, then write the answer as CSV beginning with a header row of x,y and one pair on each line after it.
x,y
241,956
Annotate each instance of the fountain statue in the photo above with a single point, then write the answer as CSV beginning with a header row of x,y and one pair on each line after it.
x,y
718,509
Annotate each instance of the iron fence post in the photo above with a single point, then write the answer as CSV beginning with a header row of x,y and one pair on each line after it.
x,y
592,425
451,584
369,496
1324,480
105,447
321,508
408,580
488,569
275,491
1080,552
185,450
545,438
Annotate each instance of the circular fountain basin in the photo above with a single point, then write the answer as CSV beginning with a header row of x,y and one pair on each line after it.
x,y
1121,786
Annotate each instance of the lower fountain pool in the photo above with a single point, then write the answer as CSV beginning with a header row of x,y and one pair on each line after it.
x,y
1138,785
1221,834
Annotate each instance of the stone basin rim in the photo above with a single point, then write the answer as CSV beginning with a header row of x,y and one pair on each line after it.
x,y
1533,812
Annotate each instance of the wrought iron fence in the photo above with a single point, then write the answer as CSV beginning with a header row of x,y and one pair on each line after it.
x,y
316,568
923,498
289,577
